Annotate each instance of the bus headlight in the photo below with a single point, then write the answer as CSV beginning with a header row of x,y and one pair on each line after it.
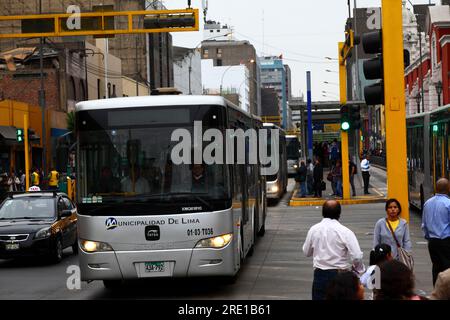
x,y
215,242
274,189
295,166
94,246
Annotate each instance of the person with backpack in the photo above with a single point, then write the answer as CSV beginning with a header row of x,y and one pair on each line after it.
x,y
352,171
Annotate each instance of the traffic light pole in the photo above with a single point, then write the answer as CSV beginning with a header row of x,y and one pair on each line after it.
x,y
26,149
397,179
344,134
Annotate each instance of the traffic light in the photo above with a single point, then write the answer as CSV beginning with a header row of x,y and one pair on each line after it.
x,y
19,135
355,117
373,68
345,118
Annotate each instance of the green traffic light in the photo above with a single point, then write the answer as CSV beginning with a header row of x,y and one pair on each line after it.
x,y
435,128
345,125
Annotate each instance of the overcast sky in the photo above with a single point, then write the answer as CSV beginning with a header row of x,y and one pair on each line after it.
x,y
304,31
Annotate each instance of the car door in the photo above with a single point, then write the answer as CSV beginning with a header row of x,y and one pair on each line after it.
x,y
63,222
71,222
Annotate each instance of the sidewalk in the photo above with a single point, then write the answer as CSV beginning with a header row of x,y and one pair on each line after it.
x,y
377,190
279,269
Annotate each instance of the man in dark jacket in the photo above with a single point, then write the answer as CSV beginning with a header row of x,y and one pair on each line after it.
x,y
301,178
318,178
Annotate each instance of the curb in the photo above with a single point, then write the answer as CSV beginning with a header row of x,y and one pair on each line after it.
x,y
306,202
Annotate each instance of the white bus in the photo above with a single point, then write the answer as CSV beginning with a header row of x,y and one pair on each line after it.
x,y
139,214
276,184
293,153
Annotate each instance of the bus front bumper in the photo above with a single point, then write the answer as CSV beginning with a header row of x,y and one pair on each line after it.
x,y
128,265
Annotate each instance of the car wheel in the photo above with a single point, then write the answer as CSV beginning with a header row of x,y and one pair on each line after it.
x,y
57,251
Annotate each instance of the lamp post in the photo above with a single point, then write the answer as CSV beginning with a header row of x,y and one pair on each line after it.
x,y
439,91
192,52
223,75
418,99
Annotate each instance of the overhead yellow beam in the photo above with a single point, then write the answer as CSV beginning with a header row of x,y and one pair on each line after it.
x,y
187,20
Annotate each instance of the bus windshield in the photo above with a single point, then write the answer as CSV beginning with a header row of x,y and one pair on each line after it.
x,y
125,155
293,148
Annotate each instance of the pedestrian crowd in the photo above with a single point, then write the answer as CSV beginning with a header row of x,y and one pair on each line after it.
x,y
339,272
16,181
310,178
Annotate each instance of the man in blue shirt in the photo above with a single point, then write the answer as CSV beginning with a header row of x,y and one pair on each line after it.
x,y
436,227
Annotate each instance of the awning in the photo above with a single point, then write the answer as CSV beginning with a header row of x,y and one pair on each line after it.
x,y
8,132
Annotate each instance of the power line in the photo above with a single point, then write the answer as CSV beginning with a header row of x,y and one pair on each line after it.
x,y
273,47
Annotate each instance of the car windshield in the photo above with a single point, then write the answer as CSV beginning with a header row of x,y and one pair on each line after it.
x,y
27,208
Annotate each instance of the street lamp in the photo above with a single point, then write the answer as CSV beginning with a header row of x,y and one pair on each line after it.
x,y
223,74
439,91
418,99
192,52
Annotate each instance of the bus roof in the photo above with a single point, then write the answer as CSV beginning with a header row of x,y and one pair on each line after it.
x,y
150,101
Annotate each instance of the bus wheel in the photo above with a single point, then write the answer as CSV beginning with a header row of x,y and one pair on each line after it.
x,y
262,231
112,284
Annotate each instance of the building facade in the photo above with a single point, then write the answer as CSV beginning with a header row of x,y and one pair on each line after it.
x,y
226,51
274,75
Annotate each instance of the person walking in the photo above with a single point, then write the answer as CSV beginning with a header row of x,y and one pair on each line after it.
x,y
318,179
301,178
337,178
365,171
53,179
310,177
392,229
35,178
13,183
22,180
334,248
352,170
436,227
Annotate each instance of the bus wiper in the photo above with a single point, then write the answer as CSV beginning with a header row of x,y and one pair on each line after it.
x,y
168,194
196,197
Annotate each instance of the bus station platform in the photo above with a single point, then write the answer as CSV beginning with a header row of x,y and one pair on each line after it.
x,y
377,190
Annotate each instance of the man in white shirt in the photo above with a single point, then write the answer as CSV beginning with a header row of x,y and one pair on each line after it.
x,y
365,171
334,248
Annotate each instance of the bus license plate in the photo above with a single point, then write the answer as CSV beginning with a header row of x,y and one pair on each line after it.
x,y
12,246
155,267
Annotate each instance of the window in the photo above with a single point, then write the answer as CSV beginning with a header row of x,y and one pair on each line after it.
x,y
205,53
219,62
98,89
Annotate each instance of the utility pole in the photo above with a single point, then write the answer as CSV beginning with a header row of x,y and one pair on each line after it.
x,y
394,97
42,98
309,105
344,133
